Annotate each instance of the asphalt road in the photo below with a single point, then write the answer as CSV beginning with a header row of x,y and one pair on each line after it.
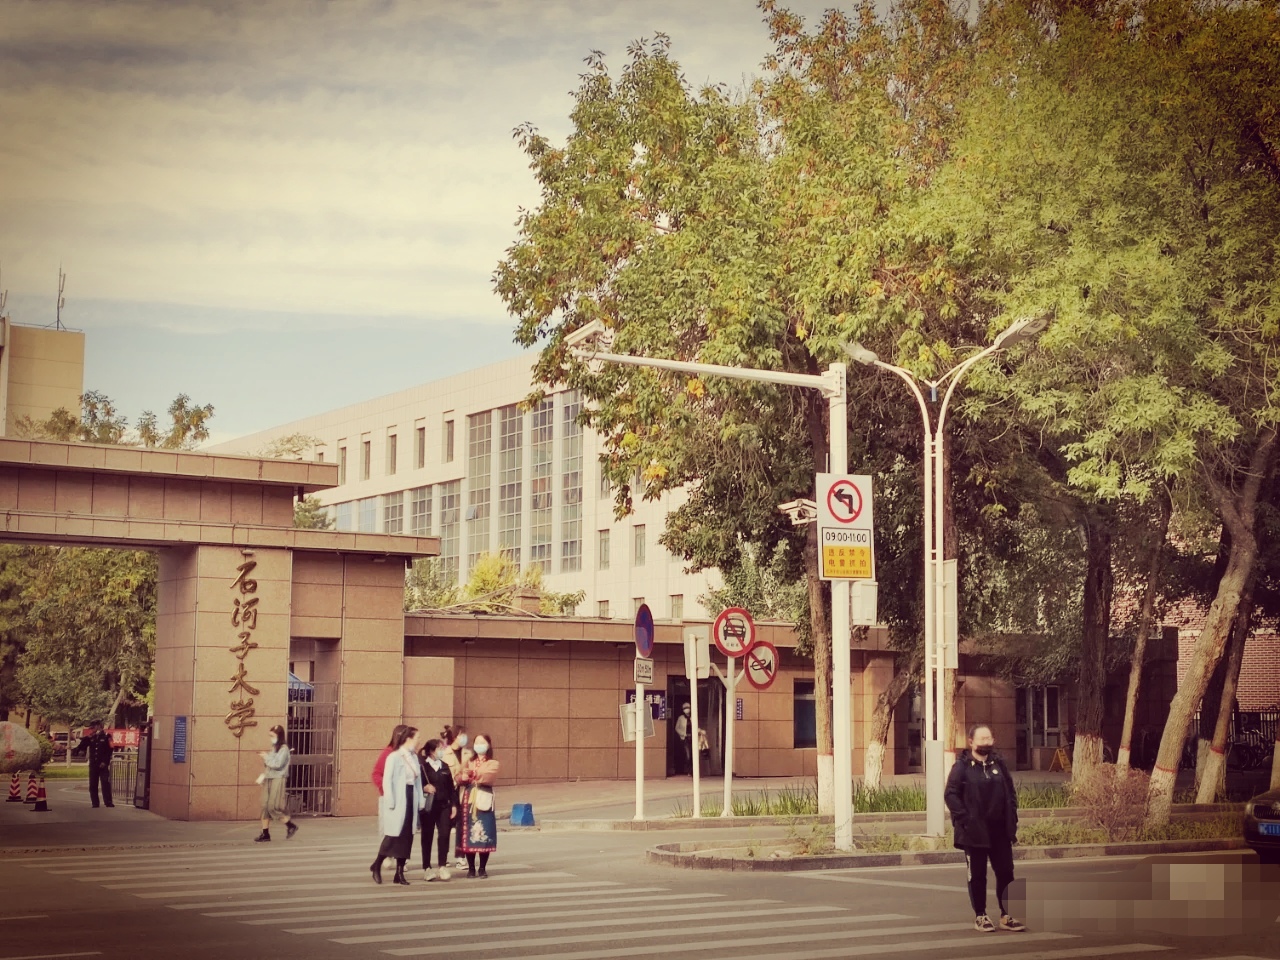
x,y
581,896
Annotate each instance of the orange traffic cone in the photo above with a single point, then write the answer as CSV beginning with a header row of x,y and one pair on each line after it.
x,y
31,788
42,800
15,788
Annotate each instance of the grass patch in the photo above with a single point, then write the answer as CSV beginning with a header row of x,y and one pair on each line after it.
x,y
65,773
802,800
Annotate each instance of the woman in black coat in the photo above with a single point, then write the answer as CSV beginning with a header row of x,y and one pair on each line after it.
x,y
442,808
984,812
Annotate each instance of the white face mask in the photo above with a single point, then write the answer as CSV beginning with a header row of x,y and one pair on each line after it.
x,y
274,740
462,740
411,745
482,748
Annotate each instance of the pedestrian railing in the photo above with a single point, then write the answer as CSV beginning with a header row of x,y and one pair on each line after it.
x,y
124,775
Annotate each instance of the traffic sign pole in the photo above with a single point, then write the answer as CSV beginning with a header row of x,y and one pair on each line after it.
x,y
640,704
730,715
691,657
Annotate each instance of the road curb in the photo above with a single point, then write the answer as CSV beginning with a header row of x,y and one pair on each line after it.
x,y
700,856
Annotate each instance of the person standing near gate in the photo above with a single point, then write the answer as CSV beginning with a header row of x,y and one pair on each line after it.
x,y
984,813
684,735
437,818
99,749
275,764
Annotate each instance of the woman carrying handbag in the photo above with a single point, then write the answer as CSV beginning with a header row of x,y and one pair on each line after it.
x,y
479,822
398,807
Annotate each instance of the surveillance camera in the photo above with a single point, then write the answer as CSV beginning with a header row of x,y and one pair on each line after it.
x,y
584,335
800,511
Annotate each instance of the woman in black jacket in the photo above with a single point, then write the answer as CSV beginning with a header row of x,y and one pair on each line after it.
x,y
984,812
438,818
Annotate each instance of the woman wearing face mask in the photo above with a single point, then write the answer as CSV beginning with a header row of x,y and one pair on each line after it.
x,y
455,741
437,819
984,812
477,809
275,763
398,807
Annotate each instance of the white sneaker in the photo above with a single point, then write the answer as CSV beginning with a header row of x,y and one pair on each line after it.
x,y
459,863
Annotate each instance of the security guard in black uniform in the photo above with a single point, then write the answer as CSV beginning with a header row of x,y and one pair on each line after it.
x,y
100,750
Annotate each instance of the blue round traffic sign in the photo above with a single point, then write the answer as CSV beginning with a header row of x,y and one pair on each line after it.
x,y
644,631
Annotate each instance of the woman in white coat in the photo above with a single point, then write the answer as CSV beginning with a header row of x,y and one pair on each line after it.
x,y
398,807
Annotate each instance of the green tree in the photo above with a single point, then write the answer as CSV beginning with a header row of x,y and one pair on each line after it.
x,y
100,422
494,585
310,514
1118,168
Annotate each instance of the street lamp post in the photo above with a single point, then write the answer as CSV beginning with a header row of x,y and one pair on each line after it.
x,y
940,584
832,386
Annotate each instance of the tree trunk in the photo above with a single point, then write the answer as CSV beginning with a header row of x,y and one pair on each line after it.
x,y
1209,708
821,628
1215,772
1146,620
952,682
1238,511
1098,584
881,723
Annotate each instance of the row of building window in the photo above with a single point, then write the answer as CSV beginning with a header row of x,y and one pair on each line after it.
x,y
392,463
675,607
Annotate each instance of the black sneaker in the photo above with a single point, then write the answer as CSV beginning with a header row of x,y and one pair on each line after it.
x,y
1008,923
290,829
983,924
263,837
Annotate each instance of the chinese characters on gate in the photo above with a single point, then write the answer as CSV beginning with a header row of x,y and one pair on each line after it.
x,y
244,618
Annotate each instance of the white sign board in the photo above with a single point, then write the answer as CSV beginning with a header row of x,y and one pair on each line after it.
x,y
627,713
846,527
643,672
697,653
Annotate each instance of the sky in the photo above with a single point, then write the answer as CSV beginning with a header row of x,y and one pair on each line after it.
x,y
284,206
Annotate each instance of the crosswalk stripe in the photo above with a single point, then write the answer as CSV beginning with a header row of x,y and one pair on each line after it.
x,y
356,867
297,887
842,878
582,899
314,900
242,849
615,918
875,949
52,956
181,865
686,933
1089,952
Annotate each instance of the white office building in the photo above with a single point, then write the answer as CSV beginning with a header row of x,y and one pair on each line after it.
x,y
460,460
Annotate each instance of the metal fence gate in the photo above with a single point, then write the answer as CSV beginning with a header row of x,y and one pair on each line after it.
x,y
312,732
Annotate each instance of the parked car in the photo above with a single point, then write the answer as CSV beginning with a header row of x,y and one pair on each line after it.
x,y
1262,825
75,738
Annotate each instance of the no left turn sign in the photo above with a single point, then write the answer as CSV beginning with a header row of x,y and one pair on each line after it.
x,y
762,664
844,501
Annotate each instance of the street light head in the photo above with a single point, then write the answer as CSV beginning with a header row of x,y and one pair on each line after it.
x,y
585,335
1025,328
860,354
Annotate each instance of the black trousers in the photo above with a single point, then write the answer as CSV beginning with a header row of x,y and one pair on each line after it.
x,y
1000,856
436,825
100,777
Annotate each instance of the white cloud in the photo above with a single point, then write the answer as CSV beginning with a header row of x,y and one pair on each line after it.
x,y
288,155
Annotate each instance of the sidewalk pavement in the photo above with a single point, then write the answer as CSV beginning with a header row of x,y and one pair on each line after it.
x,y
72,823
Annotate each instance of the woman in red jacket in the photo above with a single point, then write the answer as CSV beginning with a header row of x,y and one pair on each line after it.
x,y
381,763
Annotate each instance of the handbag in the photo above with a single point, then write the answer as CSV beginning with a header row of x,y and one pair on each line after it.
x,y
484,800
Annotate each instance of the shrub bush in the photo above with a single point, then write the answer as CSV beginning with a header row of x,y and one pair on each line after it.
x,y
1114,804
46,747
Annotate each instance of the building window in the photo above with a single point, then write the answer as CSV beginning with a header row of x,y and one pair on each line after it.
x,y
602,549
319,456
637,545
606,488
450,528
479,483
420,447
448,441
677,606
602,609
420,511
571,468
392,451
510,467
804,714
366,459
368,515
636,604
344,517
393,513
342,465
541,457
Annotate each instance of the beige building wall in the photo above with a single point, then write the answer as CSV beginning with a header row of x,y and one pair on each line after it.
x,y
40,371
616,581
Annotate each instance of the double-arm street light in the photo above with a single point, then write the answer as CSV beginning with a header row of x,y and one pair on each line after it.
x,y
941,587
585,343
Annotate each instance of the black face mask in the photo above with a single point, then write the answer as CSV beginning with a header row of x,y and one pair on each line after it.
x,y
982,751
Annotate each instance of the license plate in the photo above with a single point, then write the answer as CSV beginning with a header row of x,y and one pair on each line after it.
x,y
1269,829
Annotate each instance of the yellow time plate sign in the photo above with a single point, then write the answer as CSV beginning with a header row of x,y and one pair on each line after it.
x,y
845,554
